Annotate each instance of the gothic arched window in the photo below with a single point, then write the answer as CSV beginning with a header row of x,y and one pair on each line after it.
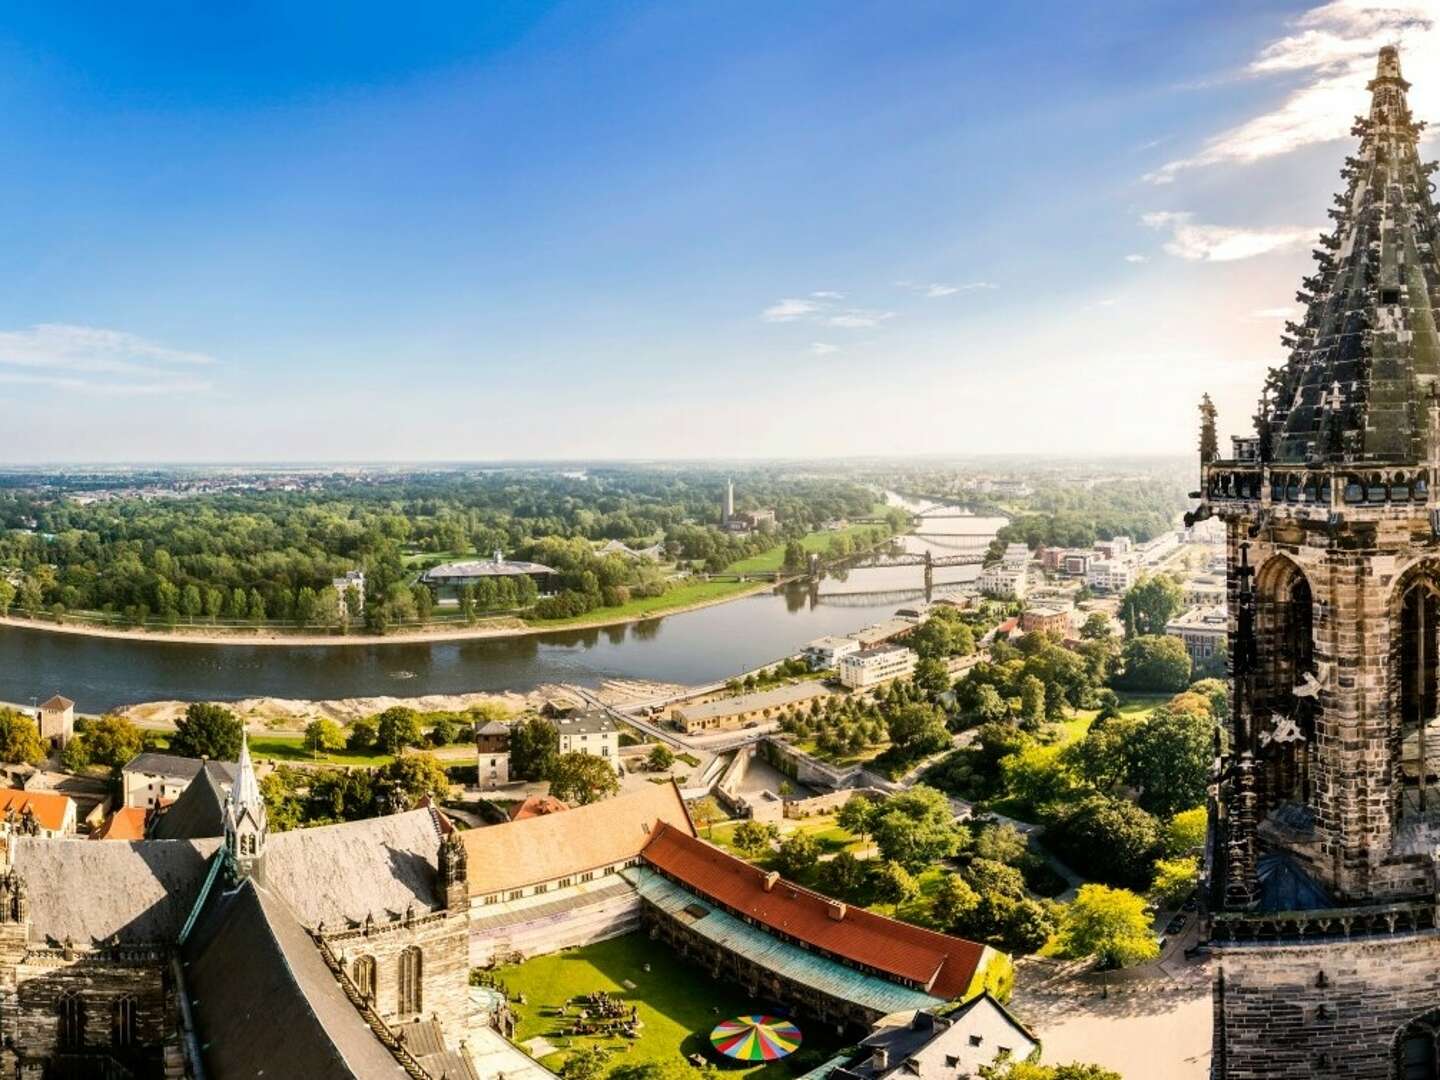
x,y
363,973
1285,654
1414,657
1415,1051
411,996
122,1022
71,1007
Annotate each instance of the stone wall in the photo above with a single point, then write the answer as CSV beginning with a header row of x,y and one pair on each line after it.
x,y
555,925
1320,1011
102,978
443,940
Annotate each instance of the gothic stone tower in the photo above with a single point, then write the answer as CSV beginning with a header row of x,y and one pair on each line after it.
x,y
1325,841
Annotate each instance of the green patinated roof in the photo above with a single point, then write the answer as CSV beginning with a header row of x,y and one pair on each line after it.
x,y
786,960
1364,360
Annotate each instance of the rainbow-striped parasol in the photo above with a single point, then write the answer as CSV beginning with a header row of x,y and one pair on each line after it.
x,y
756,1038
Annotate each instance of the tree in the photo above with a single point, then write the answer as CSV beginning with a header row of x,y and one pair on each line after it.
x,y
586,1063
1033,1070
323,734
705,812
752,838
396,728
932,676
1170,759
410,777
1027,926
534,745
113,740
1097,627
856,815
990,878
796,559
581,778
1103,755
917,729
842,875
361,737
798,854
673,1068
893,883
1151,603
75,755
1159,664
954,901
208,731
444,730
660,758
917,828
1110,925
20,741
1032,703
1001,842
1109,839
990,707
1175,879
1185,832
7,595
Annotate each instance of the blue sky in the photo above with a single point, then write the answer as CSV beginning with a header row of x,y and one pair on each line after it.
x,y
673,229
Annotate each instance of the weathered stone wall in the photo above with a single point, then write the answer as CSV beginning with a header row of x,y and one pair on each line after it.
x,y
102,981
443,941
1323,1010
553,926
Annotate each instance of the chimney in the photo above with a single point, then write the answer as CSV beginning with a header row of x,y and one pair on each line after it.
x,y
837,910
770,879
880,1059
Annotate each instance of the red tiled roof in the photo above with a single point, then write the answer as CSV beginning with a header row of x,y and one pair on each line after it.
x,y
48,808
127,823
942,964
537,806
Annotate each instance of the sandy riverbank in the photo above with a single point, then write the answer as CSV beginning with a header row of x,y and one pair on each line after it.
x,y
491,629
290,715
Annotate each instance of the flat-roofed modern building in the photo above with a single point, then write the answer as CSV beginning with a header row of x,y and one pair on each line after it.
x,y
825,652
762,705
1203,631
870,667
450,578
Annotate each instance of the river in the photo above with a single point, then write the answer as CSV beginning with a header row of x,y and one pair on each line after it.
x,y
691,648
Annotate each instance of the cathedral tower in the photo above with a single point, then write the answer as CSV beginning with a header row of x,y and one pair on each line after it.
x,y
246,828
1323,884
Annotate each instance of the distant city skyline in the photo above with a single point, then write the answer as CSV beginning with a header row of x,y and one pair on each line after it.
x,y
662,231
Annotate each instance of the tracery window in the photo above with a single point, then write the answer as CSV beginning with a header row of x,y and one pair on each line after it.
x,y
122,1022
1415,1051
1419,727
71,1007
1286,655
363,974
411,995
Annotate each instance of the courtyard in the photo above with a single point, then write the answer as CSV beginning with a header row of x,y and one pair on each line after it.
x,y
677,1005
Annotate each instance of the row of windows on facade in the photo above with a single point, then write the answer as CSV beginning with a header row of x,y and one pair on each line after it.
x,y
561,883
410,977
124,1027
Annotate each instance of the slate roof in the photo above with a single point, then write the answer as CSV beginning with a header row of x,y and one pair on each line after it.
x,y
335,873
520,853
173,765
940,964
1366,356
141,891
265,1002
200,809
58,703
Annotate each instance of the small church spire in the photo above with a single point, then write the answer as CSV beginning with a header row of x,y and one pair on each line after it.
x,y
246,826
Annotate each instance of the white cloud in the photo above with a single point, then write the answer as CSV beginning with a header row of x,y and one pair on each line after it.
x,y
1275,313
826,295
936,289
1333,47
1137,258
823,348
1222,243
854,320
789,310
94,360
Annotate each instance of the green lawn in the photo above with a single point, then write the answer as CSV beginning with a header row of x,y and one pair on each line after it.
x,y
845,760
774,558
832,837
678,1004
696,592
292,748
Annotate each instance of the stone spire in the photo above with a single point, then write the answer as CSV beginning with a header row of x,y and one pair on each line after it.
x,y
246,827
1366,353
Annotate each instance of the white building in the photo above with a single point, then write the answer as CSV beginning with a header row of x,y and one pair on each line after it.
x,y
1203,631
826,652
1116,548
149,779
1004,583
869,667
932,1047
591,731
1016,557
1110,575
351,579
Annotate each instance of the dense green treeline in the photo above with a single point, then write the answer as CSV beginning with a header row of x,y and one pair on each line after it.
x,y
271,556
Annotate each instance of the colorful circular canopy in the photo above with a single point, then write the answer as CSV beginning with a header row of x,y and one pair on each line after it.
x,y
756,1038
